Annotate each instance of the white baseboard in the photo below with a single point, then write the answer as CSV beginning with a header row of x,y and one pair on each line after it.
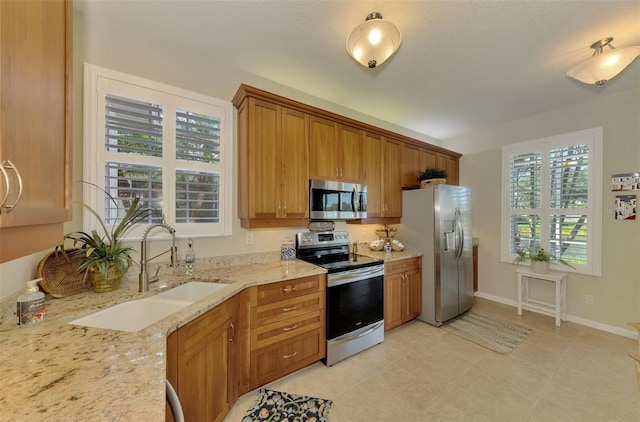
x,y
587,323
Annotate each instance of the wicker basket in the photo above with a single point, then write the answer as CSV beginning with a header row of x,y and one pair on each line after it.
x,y
431,182
59,274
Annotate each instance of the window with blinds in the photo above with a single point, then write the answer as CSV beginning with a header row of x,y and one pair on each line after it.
x,y
551,197
163,145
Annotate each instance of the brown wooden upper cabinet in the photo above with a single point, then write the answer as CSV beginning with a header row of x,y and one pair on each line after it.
x,y
416,158
35,125
382,159
335,151
272,165
283,143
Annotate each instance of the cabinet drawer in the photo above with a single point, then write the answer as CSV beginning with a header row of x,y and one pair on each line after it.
x,y
402,265
284,290
272,362
285,309
285,329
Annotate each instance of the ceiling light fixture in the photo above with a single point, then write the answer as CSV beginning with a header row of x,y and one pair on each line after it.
x,y
604,65
373,41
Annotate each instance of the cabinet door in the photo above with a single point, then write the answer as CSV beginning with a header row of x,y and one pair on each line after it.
x,y
427,159
452,171
35,123
392,178
412,295
393,301
372,164
323,151
264,159
294,156
350,153
410,165
205,362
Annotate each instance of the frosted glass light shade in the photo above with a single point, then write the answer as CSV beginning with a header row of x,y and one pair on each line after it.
x,y
603,66
372,42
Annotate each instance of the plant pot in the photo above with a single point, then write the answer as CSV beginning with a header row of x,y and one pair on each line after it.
x,y
540,267
109,284
430,182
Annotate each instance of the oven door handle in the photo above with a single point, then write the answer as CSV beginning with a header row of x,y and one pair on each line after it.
x,y
358,335
346,277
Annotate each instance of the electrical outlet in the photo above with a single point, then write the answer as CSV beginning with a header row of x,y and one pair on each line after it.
x,y
248,239
588,299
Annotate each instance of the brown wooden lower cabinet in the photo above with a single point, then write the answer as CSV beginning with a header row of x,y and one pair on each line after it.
x,y
287,330
201,364
257,336
272,362
402,291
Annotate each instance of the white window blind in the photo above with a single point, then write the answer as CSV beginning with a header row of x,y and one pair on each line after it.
x,y
168,147
552,197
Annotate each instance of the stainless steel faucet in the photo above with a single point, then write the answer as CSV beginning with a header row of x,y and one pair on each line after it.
x,y
143,278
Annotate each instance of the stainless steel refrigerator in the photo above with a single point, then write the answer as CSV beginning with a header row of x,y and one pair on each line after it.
x,y
436,221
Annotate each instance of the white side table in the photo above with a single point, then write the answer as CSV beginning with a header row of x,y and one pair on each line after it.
x,y
557,309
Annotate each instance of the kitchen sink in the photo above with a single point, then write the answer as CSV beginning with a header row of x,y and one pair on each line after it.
x,y
135,315
193,291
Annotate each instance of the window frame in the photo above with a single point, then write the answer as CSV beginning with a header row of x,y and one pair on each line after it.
x,y
594,139
171,98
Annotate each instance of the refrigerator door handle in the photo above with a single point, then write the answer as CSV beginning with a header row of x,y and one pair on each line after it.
x,y
460,231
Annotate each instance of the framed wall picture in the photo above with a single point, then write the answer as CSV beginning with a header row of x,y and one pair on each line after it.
x,y
626,207
625,181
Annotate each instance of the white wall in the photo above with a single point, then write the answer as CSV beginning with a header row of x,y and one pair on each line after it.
x,y
617,292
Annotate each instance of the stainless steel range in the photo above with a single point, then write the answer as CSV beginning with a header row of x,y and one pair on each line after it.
x,y
355,306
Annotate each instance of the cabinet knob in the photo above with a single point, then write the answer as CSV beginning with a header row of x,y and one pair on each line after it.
x,y
289,328
291,308
289,356
289,289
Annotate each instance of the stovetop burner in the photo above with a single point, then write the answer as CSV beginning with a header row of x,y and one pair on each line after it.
x,y
331,252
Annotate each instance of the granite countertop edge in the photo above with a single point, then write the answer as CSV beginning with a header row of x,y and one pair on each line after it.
x,y
55,369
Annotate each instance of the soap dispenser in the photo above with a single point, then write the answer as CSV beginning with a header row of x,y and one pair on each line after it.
x,y
190,258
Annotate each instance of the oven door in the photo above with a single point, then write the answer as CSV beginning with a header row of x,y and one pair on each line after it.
x,y
329,200
354,304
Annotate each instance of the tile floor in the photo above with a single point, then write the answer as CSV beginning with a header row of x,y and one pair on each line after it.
x,y
423,373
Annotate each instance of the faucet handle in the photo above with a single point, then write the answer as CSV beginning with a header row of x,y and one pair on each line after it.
x,y
156,277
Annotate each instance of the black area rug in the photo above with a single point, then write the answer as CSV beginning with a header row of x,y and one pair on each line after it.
x,y
492,333
274,405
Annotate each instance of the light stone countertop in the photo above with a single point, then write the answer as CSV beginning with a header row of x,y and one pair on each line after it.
x,y
56,371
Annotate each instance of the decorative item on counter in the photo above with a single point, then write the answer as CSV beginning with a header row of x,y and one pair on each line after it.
x,y
432,176
376,245
288,250
30,304
105,256
190,258
386,234
59,275
397,246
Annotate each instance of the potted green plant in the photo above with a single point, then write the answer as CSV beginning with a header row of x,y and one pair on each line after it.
x,y
540,259
105,257
432,176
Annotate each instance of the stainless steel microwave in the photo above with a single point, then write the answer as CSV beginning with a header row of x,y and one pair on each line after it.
x,y
329,200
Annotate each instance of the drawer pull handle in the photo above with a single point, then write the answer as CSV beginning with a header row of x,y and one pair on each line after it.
x,y
289,356
289,289
293,327
292,308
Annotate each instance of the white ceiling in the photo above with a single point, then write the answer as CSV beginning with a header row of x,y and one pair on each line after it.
x,y
462,65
